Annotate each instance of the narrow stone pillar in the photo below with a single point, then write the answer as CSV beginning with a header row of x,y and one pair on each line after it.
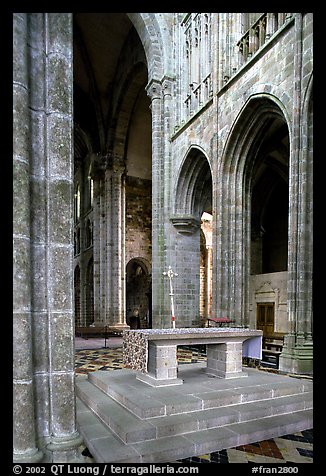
x,y
96,249
208,278
25,448
45,277
297,355
106,238
118,318
58,91
154,91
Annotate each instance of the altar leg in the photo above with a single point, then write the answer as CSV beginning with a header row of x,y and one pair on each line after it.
x,y
225,360
162,366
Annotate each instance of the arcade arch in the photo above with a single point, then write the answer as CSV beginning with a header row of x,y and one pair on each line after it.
x,y
254,207
193,198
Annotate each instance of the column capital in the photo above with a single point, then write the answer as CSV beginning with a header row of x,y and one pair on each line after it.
x,y
167,85
154,89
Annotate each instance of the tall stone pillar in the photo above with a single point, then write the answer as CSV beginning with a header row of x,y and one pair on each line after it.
x,y
154,91
118,267
99,254
49,282
106,246
297,355
25,447
208,279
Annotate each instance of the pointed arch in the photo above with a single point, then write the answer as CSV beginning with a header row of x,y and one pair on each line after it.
x,y
155,37
193,193
261,120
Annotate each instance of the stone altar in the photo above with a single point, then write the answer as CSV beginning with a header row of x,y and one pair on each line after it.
x,y
153,352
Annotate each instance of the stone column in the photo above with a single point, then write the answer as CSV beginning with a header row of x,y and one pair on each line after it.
x,y
24,432
297,355
208,279
49,282
154,91
97,254
118,317
58,92
106,246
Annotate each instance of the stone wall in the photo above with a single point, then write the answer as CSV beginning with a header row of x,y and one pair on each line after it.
x,y
270,288
138,219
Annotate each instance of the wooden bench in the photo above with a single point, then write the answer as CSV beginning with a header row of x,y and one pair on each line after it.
x,y
219,320
272,349
94,331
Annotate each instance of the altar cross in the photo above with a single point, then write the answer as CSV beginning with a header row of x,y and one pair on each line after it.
x,y
170,274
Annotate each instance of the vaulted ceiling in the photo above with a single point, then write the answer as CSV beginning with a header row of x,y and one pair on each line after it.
x,y
110,75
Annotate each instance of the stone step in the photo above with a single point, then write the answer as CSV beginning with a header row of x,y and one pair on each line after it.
x,y
106,447
197,393
131,428
123,423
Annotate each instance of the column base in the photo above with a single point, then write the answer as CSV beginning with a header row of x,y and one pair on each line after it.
x,y
66,449
32,456
298,360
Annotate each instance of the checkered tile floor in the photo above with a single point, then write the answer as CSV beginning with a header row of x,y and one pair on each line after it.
x,y
110,359
296,448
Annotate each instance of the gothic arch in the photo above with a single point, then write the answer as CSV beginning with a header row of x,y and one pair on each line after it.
x,y
153,32
192,197
261,119
252,118
193,192
138,293
135,80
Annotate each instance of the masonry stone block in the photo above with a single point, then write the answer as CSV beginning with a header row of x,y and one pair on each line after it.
x,y
23,415
20,121
21,277
59,80
22,328
59,143
60,211
60,34
63,403
62,343
38,81
20,189
60,284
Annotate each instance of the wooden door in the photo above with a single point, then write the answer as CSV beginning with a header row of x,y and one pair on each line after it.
x,y
265,318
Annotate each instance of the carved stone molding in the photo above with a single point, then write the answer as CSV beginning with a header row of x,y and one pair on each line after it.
x,y
185,225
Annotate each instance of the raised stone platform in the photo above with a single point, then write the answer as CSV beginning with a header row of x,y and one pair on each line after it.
x,y
123,420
